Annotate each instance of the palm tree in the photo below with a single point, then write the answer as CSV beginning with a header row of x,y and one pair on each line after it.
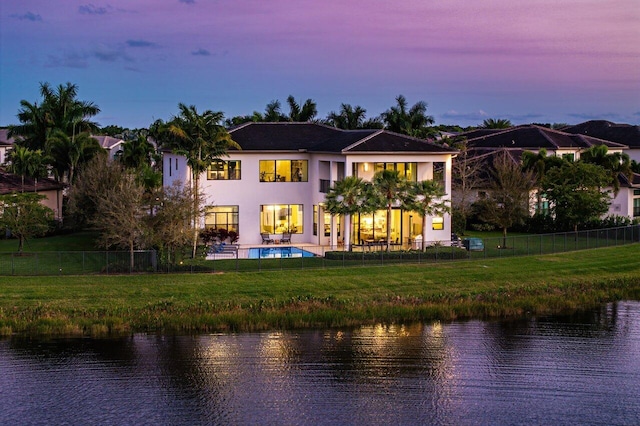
x,y
349,118
409,121
390,189
68,154
27,163
425,197
500,123
304,113
615,163
201,139
347,197
136,153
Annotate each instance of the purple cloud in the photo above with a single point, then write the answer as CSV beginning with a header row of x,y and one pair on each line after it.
x,y
29,16
201,52
187,1
91,9
68,59
141,43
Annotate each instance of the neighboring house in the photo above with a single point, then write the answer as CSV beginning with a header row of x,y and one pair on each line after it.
x,y
624,134
111,144
627,201
51,189
277,182
6,143
516,140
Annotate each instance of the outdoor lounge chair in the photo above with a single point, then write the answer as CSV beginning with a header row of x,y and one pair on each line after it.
x,y
266,238
286,238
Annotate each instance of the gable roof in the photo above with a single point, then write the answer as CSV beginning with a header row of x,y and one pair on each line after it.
x,y
10,183
535,137
107,142
288,136
625,134
5,140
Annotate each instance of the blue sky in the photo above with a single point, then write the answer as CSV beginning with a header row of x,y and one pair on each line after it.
x,y
535,61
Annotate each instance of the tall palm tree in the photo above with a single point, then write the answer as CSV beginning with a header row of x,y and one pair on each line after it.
x,y
136,153
347,197
412,121
425,197
500,123
348,118
273,112
201,138
390,189
301,113
27,163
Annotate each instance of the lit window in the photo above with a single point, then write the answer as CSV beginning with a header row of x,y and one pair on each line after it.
x,y
281,218
224,170
221,217
437,224
284,171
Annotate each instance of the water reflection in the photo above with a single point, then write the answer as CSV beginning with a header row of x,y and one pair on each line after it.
x,y
580,369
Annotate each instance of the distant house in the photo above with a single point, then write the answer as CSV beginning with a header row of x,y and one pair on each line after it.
x,y
276,184
6,143
625,134
51,189
112,145
485,143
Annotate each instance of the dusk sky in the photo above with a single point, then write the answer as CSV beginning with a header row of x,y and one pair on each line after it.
x,y
527,61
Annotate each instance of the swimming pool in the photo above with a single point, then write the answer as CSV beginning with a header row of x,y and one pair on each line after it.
x,y
275,252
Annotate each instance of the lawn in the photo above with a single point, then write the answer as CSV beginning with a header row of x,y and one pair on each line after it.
x,y
486,288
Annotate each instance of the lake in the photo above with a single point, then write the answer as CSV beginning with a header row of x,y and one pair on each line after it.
x,y
580,369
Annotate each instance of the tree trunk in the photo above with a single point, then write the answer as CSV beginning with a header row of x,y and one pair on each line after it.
x,y
196,209
131,257
389,227
504,237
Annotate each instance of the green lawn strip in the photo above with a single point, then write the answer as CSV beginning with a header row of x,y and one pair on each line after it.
x,y
99,305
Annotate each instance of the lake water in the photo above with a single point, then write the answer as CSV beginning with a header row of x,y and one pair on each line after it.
x,y
583,369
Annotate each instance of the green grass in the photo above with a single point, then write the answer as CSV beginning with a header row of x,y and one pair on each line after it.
x,y
330,297
77,241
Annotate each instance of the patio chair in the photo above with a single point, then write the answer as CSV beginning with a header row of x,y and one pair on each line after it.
x,y
266,238
286,238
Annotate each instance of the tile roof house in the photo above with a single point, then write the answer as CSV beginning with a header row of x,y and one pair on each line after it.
x,y
51,189
5,144
625,134
278,180
111,144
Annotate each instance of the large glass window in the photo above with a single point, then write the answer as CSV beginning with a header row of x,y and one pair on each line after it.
x,y
437,224
284,170
224,170
221,217
636,207
281,218
407,170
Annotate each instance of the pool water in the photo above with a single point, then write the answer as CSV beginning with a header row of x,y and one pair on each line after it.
x,y
276,252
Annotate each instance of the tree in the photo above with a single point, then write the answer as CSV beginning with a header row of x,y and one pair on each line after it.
x,y
69,153
347,197
409,121
25,216
120,215
137,153
577,193
25,162
389,190
615,163
500,123
467,178
348,118
425,197
540,163
507,203
59,110
170,227
301,113
201,139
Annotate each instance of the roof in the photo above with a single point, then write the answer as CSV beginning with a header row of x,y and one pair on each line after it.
x,y
107,142
312,137
10,183
634,182
625,134
536,137
5,140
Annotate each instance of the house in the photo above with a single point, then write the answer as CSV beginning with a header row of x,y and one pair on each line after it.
x,y
277,182
51,189
518,139
112,145
624,134
6,143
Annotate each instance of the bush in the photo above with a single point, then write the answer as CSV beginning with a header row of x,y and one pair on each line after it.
x,y
439,253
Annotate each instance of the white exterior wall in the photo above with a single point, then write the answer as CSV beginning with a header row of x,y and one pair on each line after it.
x,y
249,193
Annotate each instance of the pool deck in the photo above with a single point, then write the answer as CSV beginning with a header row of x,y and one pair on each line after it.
x,y
318,250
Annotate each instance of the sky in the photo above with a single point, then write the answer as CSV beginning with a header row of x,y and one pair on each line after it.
x,y
543,61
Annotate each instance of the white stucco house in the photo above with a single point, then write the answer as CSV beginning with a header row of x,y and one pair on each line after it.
x,y
277,182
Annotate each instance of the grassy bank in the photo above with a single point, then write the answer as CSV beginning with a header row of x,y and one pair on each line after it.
x,y
104,305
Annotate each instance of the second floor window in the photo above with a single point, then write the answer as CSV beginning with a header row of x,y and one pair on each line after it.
x,y
224,170
284,171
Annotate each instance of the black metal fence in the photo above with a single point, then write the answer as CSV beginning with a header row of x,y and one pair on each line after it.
x,y
281,257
